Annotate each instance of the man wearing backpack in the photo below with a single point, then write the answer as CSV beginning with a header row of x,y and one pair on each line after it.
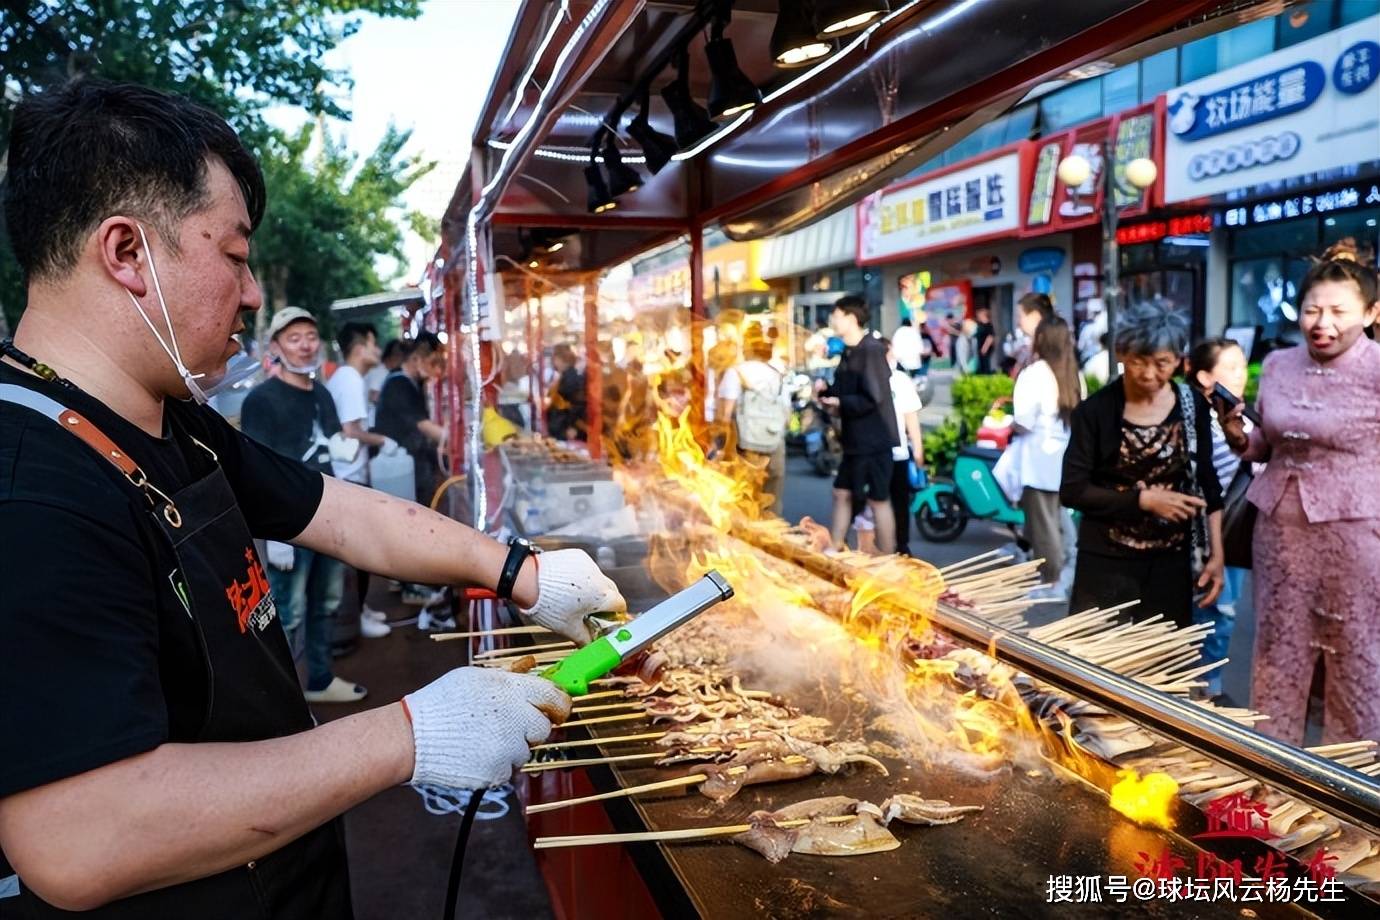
x,y
753,395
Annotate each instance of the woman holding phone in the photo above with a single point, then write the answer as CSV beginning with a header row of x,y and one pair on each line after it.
x,y
1316,548
1139,467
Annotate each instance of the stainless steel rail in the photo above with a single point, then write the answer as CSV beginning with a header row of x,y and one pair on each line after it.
x,y
1338,790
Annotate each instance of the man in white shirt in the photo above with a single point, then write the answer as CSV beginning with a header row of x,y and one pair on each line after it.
x,y
906,400
359,348
753,397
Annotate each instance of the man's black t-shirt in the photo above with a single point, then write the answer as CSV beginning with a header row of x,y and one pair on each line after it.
x,y
862,383
984,334
287,419
402,404
98,658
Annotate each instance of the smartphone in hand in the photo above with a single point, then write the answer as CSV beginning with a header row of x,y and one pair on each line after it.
x,y
1227,397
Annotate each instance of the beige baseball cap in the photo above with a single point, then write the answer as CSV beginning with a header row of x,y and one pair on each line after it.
x,y
286,317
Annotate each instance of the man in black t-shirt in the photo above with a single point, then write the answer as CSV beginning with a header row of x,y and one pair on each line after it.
x,y
293,414
157,758
984,340
861,395
403,415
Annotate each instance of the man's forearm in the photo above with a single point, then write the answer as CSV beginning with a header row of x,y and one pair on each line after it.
x,y
378,533
433,431
186,811
363,435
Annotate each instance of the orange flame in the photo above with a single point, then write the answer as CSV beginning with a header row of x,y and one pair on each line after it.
x,y
1146,799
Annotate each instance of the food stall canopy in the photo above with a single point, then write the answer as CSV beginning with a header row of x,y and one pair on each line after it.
x,y
576,73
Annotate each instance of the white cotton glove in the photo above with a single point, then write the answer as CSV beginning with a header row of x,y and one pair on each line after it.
x,y
570,587
280,555
473,727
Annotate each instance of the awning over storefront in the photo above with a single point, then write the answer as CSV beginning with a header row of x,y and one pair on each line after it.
x,y
826,244
369,304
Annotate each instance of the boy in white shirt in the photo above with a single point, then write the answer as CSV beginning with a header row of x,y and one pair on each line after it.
x,y
360,350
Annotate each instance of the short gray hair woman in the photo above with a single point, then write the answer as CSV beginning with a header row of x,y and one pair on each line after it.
x,y
1139,467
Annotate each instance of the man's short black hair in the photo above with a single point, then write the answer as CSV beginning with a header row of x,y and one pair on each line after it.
x,y
352,334
92,149
856,307
424,345
394,347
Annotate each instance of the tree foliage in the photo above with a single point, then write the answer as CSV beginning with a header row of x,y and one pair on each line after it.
x,y
236,57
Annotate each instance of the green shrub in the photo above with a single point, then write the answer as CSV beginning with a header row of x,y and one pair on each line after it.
x,y
1092,384
941,447
1252,382
973,397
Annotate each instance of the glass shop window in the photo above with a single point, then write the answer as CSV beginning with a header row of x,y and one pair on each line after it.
x,y
1264,292
1349,11
1360,226
1293,236
1120,89
1245,43
1198,59
1071,105
1159,73
1305,21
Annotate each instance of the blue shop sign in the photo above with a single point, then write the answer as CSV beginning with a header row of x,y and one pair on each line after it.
x,y
1250,102
1040,259
1357,68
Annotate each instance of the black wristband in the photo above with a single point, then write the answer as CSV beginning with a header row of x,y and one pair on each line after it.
x,y
518,551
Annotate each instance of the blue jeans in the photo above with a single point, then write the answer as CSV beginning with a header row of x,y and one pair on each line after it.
x,y
307,598
1222,616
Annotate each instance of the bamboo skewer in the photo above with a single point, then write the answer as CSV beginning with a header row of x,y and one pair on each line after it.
x,y
504,631
600,720
608,707
529,649
601,695
588,742
970,562
619,793
692,833
589,761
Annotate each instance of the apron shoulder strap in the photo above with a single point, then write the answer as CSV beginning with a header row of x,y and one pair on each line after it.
x,y
84,430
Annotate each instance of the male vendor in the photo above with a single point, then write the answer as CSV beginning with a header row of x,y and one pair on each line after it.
x,y
157,758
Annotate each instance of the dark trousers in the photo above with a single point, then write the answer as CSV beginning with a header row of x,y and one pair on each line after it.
x,y
900,504
1162,582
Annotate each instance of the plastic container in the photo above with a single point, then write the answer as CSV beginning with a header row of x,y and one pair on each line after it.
x,y
395,474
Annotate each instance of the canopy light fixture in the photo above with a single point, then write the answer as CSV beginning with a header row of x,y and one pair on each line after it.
x,y
657,147
599,199
844,17
795,41
730,91
692,122
622,177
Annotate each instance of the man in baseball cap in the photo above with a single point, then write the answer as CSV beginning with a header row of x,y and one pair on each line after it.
x,y
293,414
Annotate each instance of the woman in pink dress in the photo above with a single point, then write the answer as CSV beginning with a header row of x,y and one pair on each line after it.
x,y
1316,573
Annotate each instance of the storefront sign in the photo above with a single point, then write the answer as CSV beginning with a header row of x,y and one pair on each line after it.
x,y
1042,187
1040,259
1152,231
980,201
1267,212
1135,139
1083,205
1304,109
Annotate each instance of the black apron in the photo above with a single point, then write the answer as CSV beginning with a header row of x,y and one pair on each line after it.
x,y
252,694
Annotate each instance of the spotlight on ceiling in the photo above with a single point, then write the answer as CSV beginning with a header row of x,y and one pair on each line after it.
x,y
730,91
692,122
794,41
622,177
844,17
599,199
658,147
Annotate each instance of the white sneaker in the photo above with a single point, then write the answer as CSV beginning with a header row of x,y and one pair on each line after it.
x,y
369,613
370,628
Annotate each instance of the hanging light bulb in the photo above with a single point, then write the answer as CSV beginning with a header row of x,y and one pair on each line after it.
x,y
692,122
622,177
794,41
657,147
844,17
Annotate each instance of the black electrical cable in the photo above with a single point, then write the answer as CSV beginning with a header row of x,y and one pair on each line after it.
x,y
457,861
